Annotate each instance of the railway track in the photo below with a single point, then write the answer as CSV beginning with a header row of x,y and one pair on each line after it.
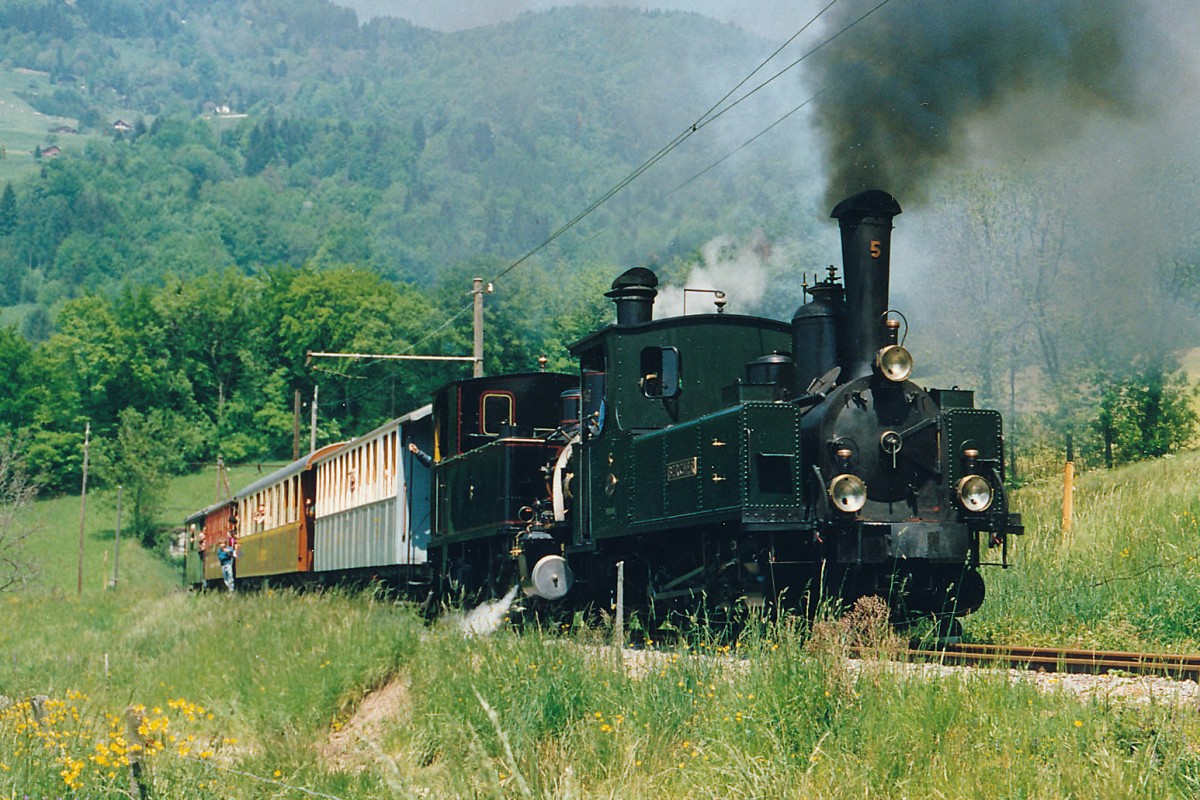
x,y
1054,659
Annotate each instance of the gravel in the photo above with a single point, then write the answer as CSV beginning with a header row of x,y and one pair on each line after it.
x,y
1109,687
1103,687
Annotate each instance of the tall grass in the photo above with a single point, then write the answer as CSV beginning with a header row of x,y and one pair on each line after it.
x,y
269,672
243,696
1127,576
537,716
240,695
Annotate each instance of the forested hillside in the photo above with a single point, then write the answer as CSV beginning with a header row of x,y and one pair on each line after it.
x,y
272,133
243,181
193,194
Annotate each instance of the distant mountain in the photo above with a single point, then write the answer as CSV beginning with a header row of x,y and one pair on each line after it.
x,y
275,132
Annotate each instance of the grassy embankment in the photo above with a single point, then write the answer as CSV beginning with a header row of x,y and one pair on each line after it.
x,y
245,696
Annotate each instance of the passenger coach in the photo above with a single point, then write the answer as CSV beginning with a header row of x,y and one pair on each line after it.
x,y
372,500
360,506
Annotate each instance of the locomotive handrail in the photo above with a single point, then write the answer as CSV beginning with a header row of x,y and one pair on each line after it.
x,y
920,426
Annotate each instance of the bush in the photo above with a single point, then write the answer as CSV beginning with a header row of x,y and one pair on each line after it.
x,y
1147,415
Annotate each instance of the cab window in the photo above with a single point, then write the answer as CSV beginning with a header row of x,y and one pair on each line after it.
x,y
497,412
660,372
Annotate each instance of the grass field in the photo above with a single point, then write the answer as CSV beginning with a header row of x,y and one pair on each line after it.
x,y
1127,576
262,695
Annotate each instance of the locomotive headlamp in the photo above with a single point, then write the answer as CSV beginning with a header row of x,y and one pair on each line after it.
x,y
848,493
894,363
974,493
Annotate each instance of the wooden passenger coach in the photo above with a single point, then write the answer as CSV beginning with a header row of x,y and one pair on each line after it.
x,y
205,530
275,532
372,499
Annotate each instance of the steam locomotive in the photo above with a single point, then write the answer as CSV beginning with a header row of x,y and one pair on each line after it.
x,y
711,458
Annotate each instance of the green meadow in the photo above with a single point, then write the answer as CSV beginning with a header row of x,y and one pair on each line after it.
x,y
23,128
273,694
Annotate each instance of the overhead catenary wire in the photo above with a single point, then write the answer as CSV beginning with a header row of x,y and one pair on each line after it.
x,y
716,111
743,145
449,321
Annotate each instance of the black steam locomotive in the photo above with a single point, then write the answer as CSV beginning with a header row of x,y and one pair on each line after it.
x,y
718,458
727,459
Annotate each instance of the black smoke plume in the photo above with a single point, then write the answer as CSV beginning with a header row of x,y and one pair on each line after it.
x,y
902,89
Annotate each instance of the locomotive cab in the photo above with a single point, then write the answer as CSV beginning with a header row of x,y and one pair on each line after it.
x,y
491,438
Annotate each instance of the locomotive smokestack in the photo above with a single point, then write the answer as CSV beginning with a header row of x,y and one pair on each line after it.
x,y
634,291
866,222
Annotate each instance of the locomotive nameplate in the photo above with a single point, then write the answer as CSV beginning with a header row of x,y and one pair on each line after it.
x,y
687,468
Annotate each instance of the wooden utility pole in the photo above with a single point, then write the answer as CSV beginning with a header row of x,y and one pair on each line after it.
x,y
312,439
222,480
87,440
117,542
296,427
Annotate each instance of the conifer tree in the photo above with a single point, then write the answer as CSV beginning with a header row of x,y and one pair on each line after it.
x,y
8,211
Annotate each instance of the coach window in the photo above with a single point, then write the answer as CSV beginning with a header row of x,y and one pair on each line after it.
x,y
660,372
497,412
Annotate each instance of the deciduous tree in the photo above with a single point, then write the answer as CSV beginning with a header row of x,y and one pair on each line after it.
x,y
17,491
146,450
1147,414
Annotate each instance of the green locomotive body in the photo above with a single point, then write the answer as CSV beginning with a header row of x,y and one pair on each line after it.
x,y
737,459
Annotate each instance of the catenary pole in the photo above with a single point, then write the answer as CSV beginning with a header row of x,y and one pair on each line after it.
x,y
477,291
117,542
312,438
87,439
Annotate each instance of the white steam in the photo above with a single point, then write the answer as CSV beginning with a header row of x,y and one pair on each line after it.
x,y
737,268
486,618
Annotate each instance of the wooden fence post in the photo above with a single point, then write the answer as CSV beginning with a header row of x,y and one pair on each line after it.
x,y
137,745
619,623
1068,508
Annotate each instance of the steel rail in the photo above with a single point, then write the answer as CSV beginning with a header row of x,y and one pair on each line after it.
x,y
1057,659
